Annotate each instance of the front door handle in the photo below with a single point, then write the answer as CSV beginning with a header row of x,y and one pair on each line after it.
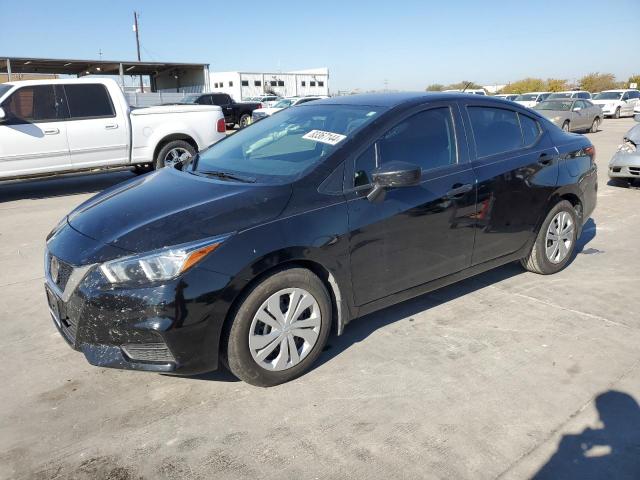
x,y
458,190
51,131
111,126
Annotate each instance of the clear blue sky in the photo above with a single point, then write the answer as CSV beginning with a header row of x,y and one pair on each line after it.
x,y
409,43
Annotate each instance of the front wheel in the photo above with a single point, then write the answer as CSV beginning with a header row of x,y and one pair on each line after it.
x,y
595,125
565,126
556,241
617,113
279,328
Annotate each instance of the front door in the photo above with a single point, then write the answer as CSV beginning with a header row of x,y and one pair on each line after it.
x,y
33,136
413,234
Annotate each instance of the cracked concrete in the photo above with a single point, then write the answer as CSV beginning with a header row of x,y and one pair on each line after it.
x,y
504,375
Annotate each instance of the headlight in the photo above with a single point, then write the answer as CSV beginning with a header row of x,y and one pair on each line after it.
x,y
627,147
159,265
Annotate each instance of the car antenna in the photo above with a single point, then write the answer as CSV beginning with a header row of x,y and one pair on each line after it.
x,y
466,86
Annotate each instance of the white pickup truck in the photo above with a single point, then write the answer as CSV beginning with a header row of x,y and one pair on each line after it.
x,y
58,126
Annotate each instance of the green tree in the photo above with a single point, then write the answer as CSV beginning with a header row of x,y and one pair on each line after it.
x,y
526,85
597,82
435,87
556,85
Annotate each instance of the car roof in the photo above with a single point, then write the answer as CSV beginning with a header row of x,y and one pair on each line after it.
x,y
395,99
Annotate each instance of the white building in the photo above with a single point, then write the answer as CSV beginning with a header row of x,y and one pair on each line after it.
x,y
242,85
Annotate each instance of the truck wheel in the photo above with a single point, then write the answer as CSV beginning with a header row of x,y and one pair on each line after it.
x,y
556,241
245,120
174,152
279,328
617,113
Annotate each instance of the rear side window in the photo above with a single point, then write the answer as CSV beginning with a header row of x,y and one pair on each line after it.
x,y
496,130
33,104
531,130
89,101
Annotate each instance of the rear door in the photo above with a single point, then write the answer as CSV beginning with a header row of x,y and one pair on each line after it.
x,y
33,137
414,234
516,165
98,132
581,117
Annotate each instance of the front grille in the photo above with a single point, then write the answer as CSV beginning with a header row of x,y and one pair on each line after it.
x,y
64,272
148,352
634,170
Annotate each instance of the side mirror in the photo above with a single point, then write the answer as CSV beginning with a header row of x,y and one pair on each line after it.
x,y
394,175
577,109
3,115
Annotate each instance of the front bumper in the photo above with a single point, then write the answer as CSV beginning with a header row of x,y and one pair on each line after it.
x,y
170,327
625,165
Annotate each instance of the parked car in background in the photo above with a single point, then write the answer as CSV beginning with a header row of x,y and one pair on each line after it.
x,y
617,103
265,100
235,113
507,96
625,164
261,113
285,231
473,91
570,94
531,99
58,126
572,114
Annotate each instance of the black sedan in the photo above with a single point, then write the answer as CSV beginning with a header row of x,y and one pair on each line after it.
x,y
254,251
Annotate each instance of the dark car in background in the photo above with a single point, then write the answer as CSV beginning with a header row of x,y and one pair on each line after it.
x,y
235,113
257,248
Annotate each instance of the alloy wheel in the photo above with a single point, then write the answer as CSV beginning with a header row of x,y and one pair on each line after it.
x,y
285,329
176,155
559,239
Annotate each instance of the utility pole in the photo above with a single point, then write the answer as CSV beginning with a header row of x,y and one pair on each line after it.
x,y
135,29
100,54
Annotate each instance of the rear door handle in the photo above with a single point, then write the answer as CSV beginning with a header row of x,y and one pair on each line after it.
x,y
458,190
545,159
51,131
111,126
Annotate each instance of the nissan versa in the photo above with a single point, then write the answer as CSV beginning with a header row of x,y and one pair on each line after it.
x,y
253,251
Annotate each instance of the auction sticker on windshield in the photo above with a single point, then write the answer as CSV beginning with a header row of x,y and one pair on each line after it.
x,y
321,136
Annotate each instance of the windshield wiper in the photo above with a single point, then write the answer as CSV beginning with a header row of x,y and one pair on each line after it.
x,y
225,175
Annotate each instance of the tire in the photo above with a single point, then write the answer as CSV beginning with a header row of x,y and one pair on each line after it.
x,y
620,182
270,361
539,259
595,125
565,126
179,147
617,113
245,120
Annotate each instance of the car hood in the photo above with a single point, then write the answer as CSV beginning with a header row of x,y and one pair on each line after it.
x,y
170,207
634,135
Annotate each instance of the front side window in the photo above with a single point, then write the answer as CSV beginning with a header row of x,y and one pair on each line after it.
x,y
33,104
89,101
426,139
531,130
608,96
284,146
496,130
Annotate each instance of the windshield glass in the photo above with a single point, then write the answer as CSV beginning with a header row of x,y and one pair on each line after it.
x,y
286,145
527,97
283,104
190,98
4,89
252,99
554,105
560,95
608,96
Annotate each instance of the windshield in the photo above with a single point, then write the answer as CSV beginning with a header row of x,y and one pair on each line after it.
x,y
190,98
554,105
283,104
5,88
560,95
252,99
608,96
527,97
287,144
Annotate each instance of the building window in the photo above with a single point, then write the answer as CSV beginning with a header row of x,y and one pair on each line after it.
x,y
257,83
215,85
303,83
281,83
321,84
245,83
274,83
231,84
312,84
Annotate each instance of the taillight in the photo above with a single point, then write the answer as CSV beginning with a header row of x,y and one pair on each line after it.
x,y
222,126
260,106
591,151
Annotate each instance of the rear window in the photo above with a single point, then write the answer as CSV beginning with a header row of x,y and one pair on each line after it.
x,y
89,101
499,130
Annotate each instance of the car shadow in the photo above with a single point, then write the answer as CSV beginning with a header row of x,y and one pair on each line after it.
x,y
33,189
596,453
589,232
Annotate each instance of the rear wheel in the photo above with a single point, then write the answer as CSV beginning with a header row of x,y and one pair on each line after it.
x,y
617,113
279,328
556,241
245,120
174,152
565,126
595,125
